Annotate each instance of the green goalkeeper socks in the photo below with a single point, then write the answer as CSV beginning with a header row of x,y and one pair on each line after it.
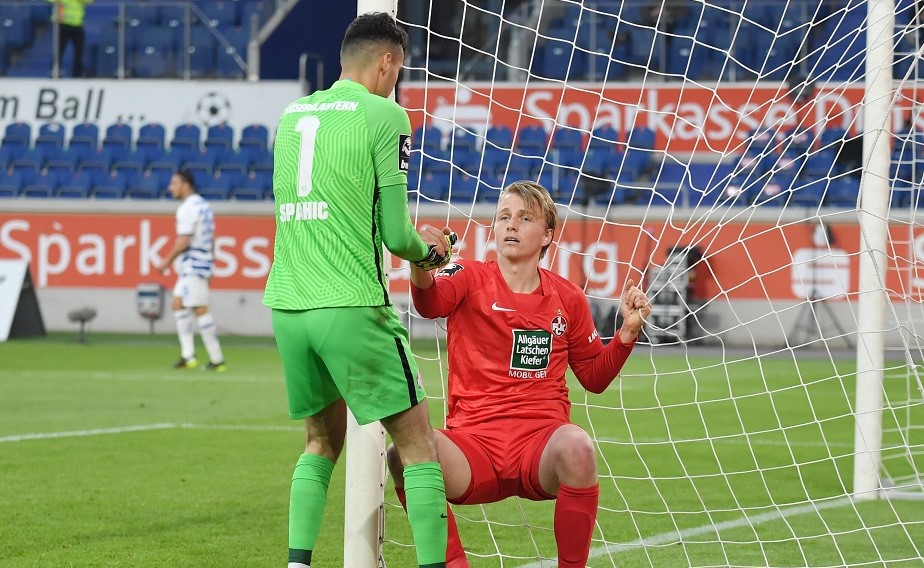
x,y
426,511
306,504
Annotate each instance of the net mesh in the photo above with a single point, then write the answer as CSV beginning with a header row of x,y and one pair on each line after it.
x,y
711,151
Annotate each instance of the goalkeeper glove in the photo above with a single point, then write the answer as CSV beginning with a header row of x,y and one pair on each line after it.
x,y
434,261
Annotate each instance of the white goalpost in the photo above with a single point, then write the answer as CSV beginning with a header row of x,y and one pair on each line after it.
x,y
759,167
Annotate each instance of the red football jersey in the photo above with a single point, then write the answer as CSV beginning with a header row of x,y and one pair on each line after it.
x,y
508,352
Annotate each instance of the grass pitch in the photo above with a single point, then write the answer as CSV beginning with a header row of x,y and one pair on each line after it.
x,y
108,457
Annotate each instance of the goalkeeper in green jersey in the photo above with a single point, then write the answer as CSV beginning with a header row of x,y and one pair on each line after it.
x,y
340,184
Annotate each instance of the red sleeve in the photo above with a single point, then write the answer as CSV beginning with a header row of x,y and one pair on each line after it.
x,y
596,373
439,300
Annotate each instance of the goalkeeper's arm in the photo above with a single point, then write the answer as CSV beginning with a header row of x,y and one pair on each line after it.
x,y
398,231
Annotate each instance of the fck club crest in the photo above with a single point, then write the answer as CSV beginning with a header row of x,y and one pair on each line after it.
x,y
559,325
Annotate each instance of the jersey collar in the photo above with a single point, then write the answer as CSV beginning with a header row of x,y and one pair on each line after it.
x,y
349,84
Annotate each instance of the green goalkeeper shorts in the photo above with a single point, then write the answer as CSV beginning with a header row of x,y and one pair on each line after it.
x,y
358,354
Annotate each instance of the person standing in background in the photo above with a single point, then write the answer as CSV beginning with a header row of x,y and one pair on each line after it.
x,y
69,15
195,244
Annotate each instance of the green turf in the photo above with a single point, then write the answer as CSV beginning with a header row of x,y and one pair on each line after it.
x,y
204,480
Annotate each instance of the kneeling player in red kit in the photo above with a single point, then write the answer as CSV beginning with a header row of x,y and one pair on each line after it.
x,y
513,329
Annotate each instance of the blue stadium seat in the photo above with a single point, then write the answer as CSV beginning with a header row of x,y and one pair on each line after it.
x,y
152,61
76,186
220,135
141,14
227,65
562,183
18,132
499,136
256,182
118,132
254,134
10,183
87,132
147,185
532,141
219,13
50,147
44,184
234,160
152,132
184,147
242,193
808,192
15,25
213,188
111,186
527,167
463,188
94,170
428,138
187,132
203,46
51,131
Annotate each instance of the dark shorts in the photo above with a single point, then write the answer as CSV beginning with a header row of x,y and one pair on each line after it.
x,y
358,354
504,458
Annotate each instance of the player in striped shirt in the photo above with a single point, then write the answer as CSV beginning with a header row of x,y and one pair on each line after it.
x,y
194,246
513,330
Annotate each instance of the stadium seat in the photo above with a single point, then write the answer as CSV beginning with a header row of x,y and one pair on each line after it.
x,y
154,133
86,133
187,132
257,182
808,192
254,134
434,182
463,188
186,148
532,141
499,136
119,132
49,146
220,135
93,170
149,182
18,132
32,160
213,188
111,186
227,65
219,13
10,184
202,48
429,139
567,146
526,167
75,186
51,131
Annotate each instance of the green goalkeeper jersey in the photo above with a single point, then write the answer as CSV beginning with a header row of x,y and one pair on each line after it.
x,y
334,150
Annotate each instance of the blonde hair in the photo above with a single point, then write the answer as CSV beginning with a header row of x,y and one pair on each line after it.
x,y
535,198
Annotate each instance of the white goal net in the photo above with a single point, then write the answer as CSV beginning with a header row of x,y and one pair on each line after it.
x,y
715,151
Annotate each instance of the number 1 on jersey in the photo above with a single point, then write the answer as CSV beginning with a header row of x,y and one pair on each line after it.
x,y
307,126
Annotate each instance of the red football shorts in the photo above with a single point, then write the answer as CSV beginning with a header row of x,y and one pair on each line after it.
x,y
504,459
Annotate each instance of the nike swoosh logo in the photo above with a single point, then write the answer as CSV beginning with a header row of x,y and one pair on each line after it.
x,y
497,308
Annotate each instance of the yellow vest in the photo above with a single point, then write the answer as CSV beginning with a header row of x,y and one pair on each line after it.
x,y
69,12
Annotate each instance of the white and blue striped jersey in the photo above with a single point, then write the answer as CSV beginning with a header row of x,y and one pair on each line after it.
x,y
194,219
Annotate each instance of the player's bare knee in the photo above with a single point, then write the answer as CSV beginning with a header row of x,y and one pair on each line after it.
x,y
576,453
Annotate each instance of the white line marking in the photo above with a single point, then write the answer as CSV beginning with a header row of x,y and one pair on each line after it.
x,y
144,428
671,537
93,432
